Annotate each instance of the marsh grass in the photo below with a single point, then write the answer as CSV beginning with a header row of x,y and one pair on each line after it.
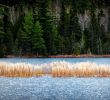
x,y
55,69
85,69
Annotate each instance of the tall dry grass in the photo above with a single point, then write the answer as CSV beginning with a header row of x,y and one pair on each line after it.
x,y
85,69
55,69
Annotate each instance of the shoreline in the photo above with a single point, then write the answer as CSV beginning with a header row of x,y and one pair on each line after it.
x,y
59,56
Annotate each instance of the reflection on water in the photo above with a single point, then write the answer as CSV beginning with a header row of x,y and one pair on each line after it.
x,y
48,88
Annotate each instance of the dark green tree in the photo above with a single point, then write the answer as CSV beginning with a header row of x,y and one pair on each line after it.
x,y
38,44
2,36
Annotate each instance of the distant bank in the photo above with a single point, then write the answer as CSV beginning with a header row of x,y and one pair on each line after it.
x,y
59,56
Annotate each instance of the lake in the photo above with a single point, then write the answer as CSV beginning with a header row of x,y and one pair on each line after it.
x,y
49,88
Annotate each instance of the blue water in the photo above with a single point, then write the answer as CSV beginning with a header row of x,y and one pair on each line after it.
x,y
48,60
49,88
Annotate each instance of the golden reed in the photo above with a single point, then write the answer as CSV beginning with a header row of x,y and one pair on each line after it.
x,y
55,69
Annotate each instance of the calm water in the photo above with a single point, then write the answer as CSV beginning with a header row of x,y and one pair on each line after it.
x,y
48,88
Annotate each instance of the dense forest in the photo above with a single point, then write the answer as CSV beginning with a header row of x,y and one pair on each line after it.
x,y
53,27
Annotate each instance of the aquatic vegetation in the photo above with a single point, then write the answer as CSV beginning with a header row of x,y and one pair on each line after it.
x,y
84,69
55,69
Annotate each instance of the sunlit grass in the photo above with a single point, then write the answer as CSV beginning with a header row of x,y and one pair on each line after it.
x,y
85,69
55,69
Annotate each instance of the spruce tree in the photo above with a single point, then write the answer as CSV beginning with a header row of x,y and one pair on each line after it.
x,y
38,44
46,20
75,30
30,37
2,35
26,33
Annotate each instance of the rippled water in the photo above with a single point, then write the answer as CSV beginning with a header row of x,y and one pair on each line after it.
x,y
49,88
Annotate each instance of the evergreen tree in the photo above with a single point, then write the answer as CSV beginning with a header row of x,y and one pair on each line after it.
x,y
46,20
7,28
38,44
30,38
35,30
2,36
56,41
94,30
75,30
25,34
87,40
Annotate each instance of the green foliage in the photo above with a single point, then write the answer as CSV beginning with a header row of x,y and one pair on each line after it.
x,y
38,44
56,41
83,5
38,31
31,36
25,33
94,31
2,36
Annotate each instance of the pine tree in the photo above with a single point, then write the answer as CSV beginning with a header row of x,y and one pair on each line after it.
x,y
87,40
38,44
2,35
30,37
25,34
75,30
56,41
94,31
46,20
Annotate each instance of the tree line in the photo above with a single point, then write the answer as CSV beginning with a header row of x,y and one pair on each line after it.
x,y
38,31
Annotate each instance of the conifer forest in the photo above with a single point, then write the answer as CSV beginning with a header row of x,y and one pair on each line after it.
x,y
54,27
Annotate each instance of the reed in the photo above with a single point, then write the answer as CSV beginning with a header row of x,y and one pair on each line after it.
x,y
85,69
55,69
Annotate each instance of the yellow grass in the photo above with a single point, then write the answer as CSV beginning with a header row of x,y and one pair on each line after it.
x,y
55,69
85,69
